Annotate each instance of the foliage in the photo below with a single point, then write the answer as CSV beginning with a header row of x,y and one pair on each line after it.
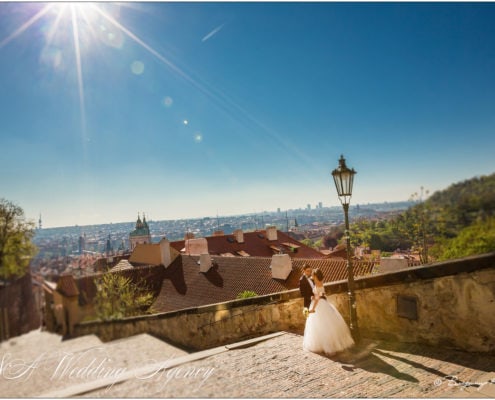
x,y
414,225
16,248
463,203
318,243
246,294
307,242
331,239
452,223
477,238
118,297
377,235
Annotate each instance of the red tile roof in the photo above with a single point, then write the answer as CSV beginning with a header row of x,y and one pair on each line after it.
x,y
256,244
184,286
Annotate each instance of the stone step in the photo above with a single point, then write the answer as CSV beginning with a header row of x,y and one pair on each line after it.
x,y
41,362
36,342
151,373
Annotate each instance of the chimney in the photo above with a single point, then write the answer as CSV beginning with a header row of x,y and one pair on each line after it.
x,y
271,233
204,262
218,233
281,266
239,236
196,246
165,256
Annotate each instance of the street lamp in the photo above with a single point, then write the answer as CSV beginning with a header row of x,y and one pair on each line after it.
x,y
344,179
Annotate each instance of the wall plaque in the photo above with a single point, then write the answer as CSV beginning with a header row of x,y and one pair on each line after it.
x,y
407,307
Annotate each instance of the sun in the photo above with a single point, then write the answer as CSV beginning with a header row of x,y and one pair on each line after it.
x,y
72,30
87,23
76,32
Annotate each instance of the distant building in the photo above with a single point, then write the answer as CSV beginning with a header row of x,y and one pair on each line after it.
x,y
140,235
109,247
82,244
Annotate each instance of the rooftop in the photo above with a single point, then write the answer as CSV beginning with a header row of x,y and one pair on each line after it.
x,y
184,286
255,244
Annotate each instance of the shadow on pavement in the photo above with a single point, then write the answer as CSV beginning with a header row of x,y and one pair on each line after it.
x,y
363,356
371,356
478,361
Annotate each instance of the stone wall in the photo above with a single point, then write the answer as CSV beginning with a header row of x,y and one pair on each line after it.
x,y
209,326
450,304
19,311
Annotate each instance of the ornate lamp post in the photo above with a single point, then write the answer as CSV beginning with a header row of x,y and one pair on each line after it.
x,y
344,179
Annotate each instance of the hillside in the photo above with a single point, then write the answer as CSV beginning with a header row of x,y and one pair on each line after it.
x,y
462,204
452,223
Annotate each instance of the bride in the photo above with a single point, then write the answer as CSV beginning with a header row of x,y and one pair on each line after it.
x,y
325,331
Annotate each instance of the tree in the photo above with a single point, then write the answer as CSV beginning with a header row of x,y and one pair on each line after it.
x,y
118,297
331,239
16,248
318,244
477,238
362,230
307,242
430,225
414,225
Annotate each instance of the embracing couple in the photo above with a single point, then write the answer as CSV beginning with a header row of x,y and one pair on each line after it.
x,y
325,330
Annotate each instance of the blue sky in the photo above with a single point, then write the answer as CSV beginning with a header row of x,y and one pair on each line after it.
x,y
184,110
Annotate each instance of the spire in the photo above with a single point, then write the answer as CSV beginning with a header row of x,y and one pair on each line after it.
x,y
139,224
109,249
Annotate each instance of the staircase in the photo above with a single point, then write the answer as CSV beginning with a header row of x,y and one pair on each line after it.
x,y
41,362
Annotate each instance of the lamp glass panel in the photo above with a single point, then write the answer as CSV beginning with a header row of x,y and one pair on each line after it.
x,y
338,183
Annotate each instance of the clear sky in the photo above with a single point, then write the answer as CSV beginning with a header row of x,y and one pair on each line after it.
x,y
184,110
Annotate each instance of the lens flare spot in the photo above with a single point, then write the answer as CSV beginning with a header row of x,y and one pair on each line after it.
x,y
51,57
111,37
198,137
137,67
167,101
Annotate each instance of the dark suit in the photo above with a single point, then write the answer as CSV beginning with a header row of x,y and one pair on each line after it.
x,y
306,290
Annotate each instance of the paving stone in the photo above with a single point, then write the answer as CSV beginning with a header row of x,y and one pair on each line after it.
x,y
278,367
41,362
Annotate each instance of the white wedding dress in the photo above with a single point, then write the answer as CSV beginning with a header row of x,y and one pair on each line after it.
x,y
326,331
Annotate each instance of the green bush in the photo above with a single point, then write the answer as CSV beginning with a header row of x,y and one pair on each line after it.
x,y
246,294
118,297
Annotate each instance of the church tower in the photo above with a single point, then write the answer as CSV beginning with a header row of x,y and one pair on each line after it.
x,y
141,234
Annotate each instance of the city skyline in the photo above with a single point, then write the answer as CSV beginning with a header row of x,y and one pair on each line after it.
x,y
189,110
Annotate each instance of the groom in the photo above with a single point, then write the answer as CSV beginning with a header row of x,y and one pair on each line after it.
x,y
306,285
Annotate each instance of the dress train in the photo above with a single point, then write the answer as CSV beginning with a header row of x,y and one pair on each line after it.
x,y
326,331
